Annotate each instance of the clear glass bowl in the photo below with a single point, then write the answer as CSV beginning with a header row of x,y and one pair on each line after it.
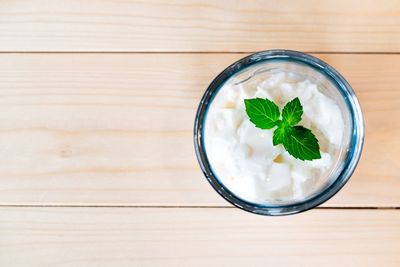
x,y
336,87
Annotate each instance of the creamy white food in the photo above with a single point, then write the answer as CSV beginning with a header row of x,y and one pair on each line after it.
x,y
243,157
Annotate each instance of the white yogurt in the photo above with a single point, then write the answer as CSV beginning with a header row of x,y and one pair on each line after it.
x,y
243,156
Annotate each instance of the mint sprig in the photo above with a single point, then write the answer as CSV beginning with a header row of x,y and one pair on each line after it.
x,y
298,141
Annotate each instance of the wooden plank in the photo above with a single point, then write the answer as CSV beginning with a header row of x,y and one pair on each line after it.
x,y
196,237
194,25
117,129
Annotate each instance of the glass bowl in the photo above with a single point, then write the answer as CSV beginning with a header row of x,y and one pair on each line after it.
x,y
256,64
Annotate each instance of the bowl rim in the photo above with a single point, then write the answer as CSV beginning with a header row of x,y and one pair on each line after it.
x,y
355,145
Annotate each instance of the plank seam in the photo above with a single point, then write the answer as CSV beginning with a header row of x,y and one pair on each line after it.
x,y
190,52
180,207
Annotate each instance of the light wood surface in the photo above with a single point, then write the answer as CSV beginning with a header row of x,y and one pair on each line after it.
x,y
193,25
97,104
118,128
197,237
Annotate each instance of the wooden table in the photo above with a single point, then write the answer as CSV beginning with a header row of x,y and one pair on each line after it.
x,y
96,113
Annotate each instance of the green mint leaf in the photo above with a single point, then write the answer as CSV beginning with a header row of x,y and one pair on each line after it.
x,y
262,112
281,133
291,113
302,144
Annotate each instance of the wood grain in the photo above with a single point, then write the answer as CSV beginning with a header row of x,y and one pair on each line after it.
x,y
194,25
196,237
115,129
